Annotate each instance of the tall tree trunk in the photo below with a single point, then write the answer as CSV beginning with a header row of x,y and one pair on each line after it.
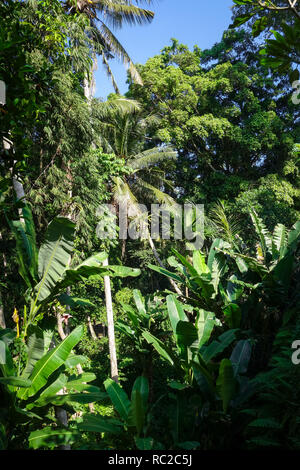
x,y
92,331
2,316
111,327
88,93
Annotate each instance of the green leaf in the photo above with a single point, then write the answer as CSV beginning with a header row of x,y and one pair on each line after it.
x,y
36,348
74,302
205,323
176,312
54,255
226,384
79,379
177,385
73,360
7,335
51,438
233,315
82,398
6,361
132,315
51,361
118,398
188,445
186,333
139,302
95,423
15,381
24,233
265,423
199,263
240,356
159,346
144,443
165,272
141,384
137,412
50,391
218,346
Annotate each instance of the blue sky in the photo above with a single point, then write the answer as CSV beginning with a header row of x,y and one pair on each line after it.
x,y
190,21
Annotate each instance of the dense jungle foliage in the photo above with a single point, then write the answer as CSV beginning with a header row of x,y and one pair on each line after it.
x,y
149,342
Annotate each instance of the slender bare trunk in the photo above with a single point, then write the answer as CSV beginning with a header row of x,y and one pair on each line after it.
x,y
92,331
111,327
63,335
2,316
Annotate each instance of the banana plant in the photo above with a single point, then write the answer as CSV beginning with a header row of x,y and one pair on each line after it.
x,y
270,275
274,251
29,395
147,315
132,414
206,281
198,359
45,271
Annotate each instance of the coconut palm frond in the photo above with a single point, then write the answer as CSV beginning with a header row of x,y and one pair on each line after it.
x,y
108,110
150,120
117,13
122,192
110,74
124,105
151,157
226,226
116,47
159,195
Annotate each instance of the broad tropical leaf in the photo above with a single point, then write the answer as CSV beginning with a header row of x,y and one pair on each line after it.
x,y
51,362
54,255
240,356
95,423
226,384
118,398
51,438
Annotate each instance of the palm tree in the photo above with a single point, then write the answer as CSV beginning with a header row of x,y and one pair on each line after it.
x,y
115,13
124,132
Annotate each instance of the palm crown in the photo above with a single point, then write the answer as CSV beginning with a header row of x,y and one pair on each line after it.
x,y
102,15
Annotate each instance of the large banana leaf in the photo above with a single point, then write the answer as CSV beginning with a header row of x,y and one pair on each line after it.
x,y
136,416
54,255
82,398
205,323
51,438
226,384
176,312
186,333
74,302
15,381
160,347
139,403
7,335
262,232
218,346
27,253
294,236
51,362
141,384
240,356
118,398
7,366
95,423
92,268
51,390
37,343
